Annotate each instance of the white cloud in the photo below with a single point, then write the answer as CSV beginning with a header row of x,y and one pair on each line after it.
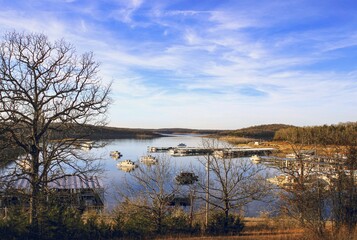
x,y
189,66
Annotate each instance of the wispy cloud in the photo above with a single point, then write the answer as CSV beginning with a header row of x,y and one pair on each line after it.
x,y
272,62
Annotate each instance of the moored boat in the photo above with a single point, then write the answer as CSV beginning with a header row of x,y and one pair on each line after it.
x,y
126,163
256,159
186,178
115,154
148,159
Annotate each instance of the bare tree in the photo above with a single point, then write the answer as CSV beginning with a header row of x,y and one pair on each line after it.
x,y
151,188
305,194
322,187
233,182
47,91
343,189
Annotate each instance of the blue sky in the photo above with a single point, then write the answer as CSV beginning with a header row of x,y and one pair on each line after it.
x,y
211,63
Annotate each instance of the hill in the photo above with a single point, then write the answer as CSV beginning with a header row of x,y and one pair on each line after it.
x,y
264,132
103,132
186,131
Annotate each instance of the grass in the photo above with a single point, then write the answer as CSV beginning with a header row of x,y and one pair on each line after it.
x,y
260,229
265,228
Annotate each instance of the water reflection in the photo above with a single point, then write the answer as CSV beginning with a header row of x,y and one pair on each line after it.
x,y
126,164
137,151
114,176
126,168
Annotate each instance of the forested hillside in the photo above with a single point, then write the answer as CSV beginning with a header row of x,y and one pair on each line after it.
x,y
187,131
265,132
326,134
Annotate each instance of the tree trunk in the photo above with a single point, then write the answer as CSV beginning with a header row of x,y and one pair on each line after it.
x,y
226,219
35,194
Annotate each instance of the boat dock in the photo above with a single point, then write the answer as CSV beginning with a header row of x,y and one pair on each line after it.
x,y
159,149
217,152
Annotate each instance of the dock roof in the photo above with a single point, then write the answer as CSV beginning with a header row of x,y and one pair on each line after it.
x,y
66,182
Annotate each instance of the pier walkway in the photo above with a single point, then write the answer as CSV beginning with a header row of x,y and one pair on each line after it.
x,y
217,152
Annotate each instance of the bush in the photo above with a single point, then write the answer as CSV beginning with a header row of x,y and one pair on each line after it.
x,y
60,223
133,222
55,222
217,226
15,226
179,223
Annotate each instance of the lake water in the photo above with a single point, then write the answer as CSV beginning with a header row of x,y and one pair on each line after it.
x,y
133,149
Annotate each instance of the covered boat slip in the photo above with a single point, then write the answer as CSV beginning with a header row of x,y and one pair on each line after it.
x,y
84,193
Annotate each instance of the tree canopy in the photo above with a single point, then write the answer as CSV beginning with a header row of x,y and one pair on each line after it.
x,y
47,87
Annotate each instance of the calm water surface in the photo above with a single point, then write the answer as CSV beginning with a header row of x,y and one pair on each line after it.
x,y
113,178
133,149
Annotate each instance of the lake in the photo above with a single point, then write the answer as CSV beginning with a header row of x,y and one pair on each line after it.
x,y
133,149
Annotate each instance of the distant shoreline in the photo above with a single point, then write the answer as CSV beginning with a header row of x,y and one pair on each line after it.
x,y
254,133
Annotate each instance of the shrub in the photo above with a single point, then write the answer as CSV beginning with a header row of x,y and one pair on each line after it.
x,y
216,224
179,223
14,226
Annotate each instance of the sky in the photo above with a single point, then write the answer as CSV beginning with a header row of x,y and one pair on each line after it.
x,y
210,64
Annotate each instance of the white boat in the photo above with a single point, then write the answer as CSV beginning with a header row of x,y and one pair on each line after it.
x,y
115,154
148,159
256,159
84,145
283,181
291,155
126,163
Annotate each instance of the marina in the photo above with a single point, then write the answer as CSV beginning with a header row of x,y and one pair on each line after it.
x,y
217,152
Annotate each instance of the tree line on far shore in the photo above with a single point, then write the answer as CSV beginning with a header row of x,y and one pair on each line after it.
x,y
336,134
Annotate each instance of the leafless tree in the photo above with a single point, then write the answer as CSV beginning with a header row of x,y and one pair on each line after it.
x,y
304,196
47,91
323,186
343,189
233,182
151,188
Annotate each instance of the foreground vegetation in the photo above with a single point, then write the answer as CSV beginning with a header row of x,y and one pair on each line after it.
x,y
67,223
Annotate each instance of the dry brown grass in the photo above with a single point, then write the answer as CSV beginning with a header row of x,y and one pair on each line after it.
x,y
266,228
261,229
236,140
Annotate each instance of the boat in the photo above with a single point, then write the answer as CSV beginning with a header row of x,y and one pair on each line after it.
x,y
126,163
148,159
186,178
87,145
281,180
256,159
291,155
181,145
115,154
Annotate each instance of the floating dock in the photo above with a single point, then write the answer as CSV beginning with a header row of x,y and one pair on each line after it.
x,y
217,152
